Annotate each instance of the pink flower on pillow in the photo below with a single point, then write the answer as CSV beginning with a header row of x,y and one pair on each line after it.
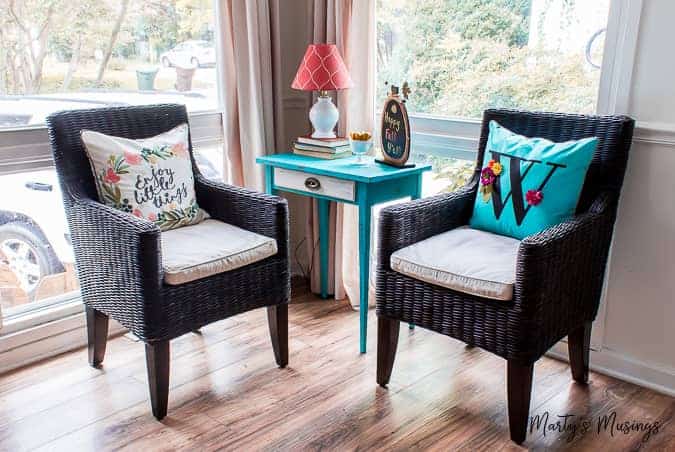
x,y
138,213
131,158
534,197
152,217
179,150
111,177
487,177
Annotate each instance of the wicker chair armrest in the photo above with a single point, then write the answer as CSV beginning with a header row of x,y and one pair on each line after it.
x,y
406,223
575,231
560,270
103,215
251,210
118,259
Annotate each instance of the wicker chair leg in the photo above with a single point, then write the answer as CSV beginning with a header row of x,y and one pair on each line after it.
x,y
519,388
97,335
387,340
277,317
578,344
157,356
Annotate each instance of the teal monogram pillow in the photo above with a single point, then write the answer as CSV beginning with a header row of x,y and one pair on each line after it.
x,y
529,184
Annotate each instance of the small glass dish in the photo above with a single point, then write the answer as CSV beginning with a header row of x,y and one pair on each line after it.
x,y
359,149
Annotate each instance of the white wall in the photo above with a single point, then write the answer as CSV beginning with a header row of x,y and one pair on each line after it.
x,y
641,286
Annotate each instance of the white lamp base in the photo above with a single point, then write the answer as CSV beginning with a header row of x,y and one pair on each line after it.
x,y
324,116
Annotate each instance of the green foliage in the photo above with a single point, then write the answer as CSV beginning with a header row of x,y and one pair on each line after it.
x,y
463,56
54,83
195,19
157,23
454,173
499,20
162,152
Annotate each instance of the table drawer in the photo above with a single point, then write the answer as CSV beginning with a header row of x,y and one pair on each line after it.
x,y
313,183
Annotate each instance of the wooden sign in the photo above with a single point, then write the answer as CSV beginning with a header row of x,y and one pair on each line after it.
x,y
395,131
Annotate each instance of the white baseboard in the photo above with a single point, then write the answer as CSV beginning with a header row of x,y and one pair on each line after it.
x,y
657,377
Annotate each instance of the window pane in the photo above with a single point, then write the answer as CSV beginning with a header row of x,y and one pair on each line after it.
x,y
463,56
94,54
447,173
209,158
36,259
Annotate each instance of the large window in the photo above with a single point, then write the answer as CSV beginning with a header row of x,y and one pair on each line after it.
x,y
463,56
65,54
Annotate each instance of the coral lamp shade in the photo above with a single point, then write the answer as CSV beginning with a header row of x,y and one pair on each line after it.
x,y
322,69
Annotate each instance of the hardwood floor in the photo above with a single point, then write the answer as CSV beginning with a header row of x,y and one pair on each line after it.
x,y
226,392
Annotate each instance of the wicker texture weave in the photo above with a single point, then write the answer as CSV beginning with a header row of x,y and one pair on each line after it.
x,y
559,271
118,256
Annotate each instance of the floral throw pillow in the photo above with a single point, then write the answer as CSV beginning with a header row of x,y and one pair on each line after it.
x,y
149,178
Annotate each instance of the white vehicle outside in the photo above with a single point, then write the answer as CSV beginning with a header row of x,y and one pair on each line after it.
x,y
34,236
190,54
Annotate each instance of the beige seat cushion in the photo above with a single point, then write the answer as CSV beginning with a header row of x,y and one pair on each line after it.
x,y
209,248
463,259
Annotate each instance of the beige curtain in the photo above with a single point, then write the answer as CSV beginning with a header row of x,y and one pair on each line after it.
x,y
250,86
350,25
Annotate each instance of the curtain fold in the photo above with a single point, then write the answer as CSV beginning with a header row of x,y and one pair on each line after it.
x,y
350,25
250,86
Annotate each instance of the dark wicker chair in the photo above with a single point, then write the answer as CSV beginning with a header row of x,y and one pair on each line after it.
x,y
119,256
559,271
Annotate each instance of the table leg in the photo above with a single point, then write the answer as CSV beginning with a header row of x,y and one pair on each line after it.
x,y
269,179
324,221
418,191
364,270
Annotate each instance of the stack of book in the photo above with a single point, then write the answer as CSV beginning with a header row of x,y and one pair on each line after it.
x,y
323,148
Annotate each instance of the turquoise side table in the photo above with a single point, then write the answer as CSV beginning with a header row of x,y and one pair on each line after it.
x,y
342,181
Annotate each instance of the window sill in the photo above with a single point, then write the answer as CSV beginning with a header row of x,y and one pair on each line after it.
x,y
45,333
27,148
64,306
458,138
43,127
445,137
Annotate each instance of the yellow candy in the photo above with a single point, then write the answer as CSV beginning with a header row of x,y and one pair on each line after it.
x,y
360,136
